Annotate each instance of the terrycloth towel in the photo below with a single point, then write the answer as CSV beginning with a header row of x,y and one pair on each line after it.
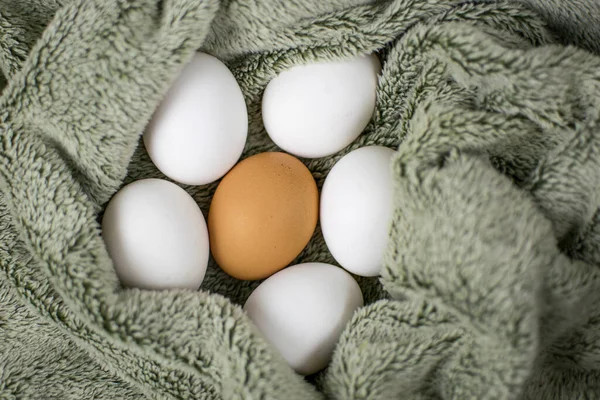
x,y
491,285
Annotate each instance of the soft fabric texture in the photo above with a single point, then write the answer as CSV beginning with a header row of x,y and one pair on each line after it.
x,y
490,288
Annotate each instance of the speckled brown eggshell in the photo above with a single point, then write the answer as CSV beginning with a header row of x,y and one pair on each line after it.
x,y
262,215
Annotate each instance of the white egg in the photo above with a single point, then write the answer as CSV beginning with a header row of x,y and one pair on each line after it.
x,y
156,236
316,110
356,209
199,131
302,311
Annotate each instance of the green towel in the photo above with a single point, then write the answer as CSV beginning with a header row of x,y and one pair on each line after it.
x,y
491,285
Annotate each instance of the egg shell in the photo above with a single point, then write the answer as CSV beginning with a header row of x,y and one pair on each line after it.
x,y
156,236
315,110
356,209
302,311
199,131
262,215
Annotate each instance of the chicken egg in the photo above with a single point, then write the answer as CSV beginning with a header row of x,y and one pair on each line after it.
x,y
316,109
302,311
357,207
156,236
199,130
262,215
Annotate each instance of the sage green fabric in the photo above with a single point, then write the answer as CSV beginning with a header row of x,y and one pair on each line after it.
x,y
491,285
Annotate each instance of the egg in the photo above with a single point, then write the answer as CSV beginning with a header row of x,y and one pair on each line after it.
x,y
315,110
262,215
302,311
156,236
356,209
199,130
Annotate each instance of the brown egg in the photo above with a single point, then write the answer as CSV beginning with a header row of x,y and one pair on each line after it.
x,y
262,215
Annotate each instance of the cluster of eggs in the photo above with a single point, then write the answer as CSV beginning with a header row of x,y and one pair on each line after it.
x,y
266,207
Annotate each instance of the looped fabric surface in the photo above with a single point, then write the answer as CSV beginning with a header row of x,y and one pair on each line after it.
x,y
491,286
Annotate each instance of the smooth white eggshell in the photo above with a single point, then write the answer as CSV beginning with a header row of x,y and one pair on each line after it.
x,y
356,209
317,109
302,311
156,236
199,131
